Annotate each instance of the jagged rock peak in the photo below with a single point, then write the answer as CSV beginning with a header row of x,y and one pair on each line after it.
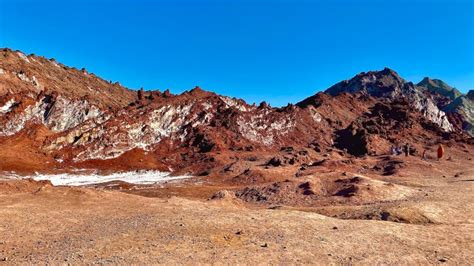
x,y
263,105
434,82
440,87
167,93
386,72
21,73
388,85
470,95
198,92
196,89
375,83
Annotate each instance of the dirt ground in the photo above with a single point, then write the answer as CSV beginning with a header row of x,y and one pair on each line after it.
x,y
422,214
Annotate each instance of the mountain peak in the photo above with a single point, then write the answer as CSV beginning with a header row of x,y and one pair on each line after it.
x,y
376,83
433,82
389,71
470,95
440,87
198,92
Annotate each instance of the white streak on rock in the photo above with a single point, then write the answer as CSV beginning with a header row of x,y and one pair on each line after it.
x,y
263,129
233,103
62,115
7,107
23,56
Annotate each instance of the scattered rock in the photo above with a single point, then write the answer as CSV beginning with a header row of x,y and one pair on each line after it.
x,y
389,165
287,149
275,161
222,194
307,188
347,191
384,216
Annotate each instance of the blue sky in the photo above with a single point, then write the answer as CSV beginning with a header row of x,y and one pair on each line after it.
x,y
278,51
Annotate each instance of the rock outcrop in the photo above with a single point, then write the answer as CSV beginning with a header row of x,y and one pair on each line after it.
x,y
85,121
387,84
458,107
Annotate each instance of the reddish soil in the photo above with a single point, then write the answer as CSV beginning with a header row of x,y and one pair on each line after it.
x,y
420,215
314,182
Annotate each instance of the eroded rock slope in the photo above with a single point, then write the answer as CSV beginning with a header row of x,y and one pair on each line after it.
x,y
71,118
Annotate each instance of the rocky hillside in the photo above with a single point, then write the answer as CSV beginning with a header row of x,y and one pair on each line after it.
x,y
462,108
436,86
458,107
30,75
55,117
388,85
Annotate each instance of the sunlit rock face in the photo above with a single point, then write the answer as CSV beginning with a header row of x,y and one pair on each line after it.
x,y
56,113
143,127
84,118
387,84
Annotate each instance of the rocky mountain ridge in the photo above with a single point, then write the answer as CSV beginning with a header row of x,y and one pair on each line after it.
x,y
59,117
440,87
458,107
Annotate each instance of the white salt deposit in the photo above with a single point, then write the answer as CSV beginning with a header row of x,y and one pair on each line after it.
x,y
137,177
7,107
23,56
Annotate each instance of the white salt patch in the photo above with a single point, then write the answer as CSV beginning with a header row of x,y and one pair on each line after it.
x,y
233,103
315,115
2,71
206,105
138,177
23,56
24,77
55,64
7,107
35,82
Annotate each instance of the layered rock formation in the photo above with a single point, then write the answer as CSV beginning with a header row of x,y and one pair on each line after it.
x,y
71,118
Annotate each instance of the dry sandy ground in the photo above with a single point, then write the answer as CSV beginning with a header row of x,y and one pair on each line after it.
x,y
60,225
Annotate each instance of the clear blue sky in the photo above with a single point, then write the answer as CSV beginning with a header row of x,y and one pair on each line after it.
x,y
279,51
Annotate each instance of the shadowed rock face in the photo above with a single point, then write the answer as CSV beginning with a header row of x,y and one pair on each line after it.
x,y
470,95
461,110
86,119
436,86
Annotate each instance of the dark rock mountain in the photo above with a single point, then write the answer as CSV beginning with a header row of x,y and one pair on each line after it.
x,y
388,85
470,95
462,108
436,86
385,83
53,117
458,107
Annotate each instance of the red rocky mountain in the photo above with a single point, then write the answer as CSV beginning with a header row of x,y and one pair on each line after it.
x,y
53,118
